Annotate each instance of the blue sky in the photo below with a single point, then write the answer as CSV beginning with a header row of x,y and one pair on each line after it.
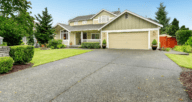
x,y
63,10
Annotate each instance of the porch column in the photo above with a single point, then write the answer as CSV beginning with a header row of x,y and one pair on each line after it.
x,y
69,33
81,36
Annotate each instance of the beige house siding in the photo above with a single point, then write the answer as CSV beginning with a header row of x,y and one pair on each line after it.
x,y
72,38
132,22
130,40
57,32
95,19
80,23
104,36
154,35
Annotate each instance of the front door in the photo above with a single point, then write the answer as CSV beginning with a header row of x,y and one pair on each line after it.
x,y
84,35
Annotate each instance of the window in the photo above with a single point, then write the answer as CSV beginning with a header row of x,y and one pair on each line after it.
x,y
64,35
126,15
95,36
75,23
84,22
103,19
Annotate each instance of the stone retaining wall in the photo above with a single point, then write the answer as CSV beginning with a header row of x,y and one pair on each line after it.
x,y
4,51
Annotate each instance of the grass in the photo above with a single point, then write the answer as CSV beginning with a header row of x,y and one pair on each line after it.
x,y
182,60
46,56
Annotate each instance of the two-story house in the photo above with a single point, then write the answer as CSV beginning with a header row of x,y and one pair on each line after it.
x,y
125,30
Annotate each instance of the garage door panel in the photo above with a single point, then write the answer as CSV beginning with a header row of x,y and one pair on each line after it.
x,y
133,40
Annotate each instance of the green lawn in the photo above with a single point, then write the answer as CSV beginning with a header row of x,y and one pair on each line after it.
x,y
46,56
182,60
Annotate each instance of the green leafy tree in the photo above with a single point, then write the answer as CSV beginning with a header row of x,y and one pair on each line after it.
x,y
161,17
11,31
174,27
184,28
44,30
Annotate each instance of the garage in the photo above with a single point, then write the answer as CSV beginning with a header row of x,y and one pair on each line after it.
x,y
128,40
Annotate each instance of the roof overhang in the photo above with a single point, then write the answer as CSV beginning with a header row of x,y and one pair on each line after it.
x,y
61,27
126,11
102,11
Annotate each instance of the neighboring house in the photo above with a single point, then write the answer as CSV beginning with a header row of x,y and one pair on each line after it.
x,y
125,30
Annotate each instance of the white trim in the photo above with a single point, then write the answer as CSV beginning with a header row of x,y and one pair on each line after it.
x,y
131,30
69,34
61,26
101,11
81,36
75,38
107,40
158,39
101,38
94,33
149,34
134,15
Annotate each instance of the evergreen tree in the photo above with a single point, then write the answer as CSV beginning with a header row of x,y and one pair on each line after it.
x,y
44,32
161,17
174,27
184,28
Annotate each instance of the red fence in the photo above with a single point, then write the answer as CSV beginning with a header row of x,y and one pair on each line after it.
x,y
167,41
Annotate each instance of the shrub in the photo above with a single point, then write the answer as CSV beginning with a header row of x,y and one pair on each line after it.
x,y
182,36
6,64
90,45
168,49
189,41
104,41
184,48
55,44
154,42
4,44
21,54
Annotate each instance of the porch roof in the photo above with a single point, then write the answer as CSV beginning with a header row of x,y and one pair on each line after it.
x,y
81,27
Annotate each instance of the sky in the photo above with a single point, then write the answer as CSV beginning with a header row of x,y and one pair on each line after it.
x,y
63,10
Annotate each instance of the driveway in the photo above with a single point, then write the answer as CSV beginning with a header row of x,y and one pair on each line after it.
x,y
98,76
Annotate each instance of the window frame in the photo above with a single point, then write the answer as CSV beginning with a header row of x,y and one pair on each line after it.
x,y
75,23
93,34
100,19
64,33
84,22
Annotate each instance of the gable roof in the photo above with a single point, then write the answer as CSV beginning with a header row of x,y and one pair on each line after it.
x,y
146,19
79,28
102,11
88,17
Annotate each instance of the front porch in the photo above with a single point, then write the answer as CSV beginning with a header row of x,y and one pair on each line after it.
x,y
75,38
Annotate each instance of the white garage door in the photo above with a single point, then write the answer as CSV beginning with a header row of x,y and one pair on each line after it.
x,y
129,40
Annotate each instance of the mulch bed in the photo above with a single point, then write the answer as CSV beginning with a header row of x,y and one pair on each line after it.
x,y
186,79
19,67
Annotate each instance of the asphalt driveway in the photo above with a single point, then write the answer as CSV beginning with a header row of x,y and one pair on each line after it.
x,y
98,76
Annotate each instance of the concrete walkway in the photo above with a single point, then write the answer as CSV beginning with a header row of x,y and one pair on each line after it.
x,y
176,52
98,76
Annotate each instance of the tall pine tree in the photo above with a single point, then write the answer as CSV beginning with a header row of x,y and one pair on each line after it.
x,y
174,27
44,32
161,17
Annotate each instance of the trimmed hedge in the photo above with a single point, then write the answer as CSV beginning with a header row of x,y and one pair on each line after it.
x,y
90,45
55,44
189,41
184,48
182,36
6,64
21,54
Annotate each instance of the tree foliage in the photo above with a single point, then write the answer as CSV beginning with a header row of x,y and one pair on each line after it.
x,y
44,32
184,28
174,27
11,31
161,17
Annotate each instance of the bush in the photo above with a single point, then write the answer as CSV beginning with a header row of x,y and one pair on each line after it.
x,y
56,44
6,64
168,49
189,41
21,54
182,36
154,42
90,45
4,44
184,48
104,41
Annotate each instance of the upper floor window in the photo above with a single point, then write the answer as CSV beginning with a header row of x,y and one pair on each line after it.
x,y
75,23
103,19
126,15
84,22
